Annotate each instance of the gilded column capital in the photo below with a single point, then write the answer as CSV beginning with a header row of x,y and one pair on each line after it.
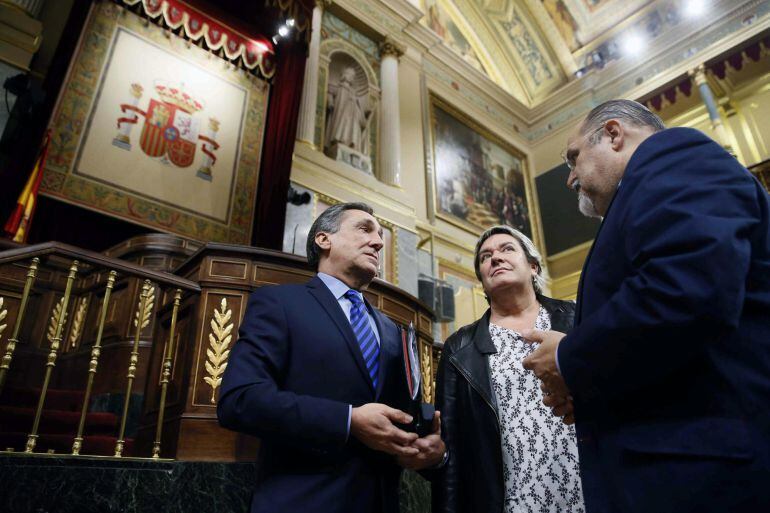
x,y
698,74
390,47
323,4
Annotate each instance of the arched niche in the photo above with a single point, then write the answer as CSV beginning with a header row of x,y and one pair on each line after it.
x,y
347,78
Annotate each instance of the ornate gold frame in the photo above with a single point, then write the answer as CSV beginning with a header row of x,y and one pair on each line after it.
x,y
436,101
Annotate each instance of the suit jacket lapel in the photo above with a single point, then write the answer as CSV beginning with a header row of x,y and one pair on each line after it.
x,y
579,297
327,300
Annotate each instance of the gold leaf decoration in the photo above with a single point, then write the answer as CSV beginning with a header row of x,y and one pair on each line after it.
x,y
218,350
427,372
149,303
57,314
3,315
77,321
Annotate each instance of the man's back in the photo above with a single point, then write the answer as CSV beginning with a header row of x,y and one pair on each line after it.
x,y
673,318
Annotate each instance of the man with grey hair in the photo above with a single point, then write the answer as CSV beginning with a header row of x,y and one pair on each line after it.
x,y
317,375
668,366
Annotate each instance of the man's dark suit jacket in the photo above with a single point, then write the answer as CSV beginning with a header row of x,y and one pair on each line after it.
x,y
290,378
669,361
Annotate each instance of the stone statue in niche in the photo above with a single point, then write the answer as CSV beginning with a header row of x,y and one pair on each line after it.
x,y
348,117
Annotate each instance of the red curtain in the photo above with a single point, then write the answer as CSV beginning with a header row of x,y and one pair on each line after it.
x,y
278,146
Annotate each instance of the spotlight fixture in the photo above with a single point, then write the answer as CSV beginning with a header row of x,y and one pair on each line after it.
x,y
633,43
283,31
694,8
290,22
597,60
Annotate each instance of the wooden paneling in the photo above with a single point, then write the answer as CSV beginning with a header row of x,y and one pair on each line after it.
x,y
219,269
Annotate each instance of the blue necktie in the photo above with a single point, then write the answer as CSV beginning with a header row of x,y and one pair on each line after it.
x,y
367,341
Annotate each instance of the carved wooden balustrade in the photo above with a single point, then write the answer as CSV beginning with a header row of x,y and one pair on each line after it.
x,y
139,351
79,335
227,274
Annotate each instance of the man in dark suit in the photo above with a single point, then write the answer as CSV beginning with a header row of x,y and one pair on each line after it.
x,y
316,373
668,367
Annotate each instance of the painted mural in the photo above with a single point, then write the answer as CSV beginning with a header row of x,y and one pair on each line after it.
x,y
440,22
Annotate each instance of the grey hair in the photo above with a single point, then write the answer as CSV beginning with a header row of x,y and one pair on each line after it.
x,y
530,252
626,110
329,222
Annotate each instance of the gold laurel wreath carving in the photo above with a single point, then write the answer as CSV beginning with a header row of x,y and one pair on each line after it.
x,y
3,315
218,351
427,372
149,303
57,314
77,321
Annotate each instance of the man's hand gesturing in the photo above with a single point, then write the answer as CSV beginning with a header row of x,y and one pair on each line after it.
x,y
431,447
372,424
542,361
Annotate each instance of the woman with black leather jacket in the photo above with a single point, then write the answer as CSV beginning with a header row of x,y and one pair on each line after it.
x,y
506,451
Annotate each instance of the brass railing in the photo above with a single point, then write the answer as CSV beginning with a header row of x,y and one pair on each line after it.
x,y
762,171
84,276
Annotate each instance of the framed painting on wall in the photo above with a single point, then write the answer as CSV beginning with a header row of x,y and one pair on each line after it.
x,y
158,131
480,181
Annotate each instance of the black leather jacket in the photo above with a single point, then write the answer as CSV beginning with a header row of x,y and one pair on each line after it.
x,y
472,479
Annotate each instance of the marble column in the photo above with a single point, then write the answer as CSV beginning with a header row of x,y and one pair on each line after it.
x,y
390,132
699,77
306,121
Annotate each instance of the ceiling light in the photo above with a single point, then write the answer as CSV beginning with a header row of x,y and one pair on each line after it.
x,y
283,31
290,22
694,8
633,43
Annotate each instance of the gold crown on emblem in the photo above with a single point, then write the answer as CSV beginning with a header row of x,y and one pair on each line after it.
x,y
175,96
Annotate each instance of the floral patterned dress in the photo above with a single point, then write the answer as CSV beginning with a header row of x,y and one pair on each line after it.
x,y
540,459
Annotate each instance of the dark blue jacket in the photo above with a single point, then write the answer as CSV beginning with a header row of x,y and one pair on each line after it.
x,y
669,361
290,378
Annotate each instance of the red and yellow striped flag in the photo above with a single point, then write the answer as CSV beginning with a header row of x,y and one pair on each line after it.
x,y
17,226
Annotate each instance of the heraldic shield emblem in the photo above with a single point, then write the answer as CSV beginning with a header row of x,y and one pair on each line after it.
x,y
171,128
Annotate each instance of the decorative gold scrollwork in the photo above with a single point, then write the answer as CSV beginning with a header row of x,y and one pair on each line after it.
x,y
426,366
77,322
148,304
218,351
59,315
3,315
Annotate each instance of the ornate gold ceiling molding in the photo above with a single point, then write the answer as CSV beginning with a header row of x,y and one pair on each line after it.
x,y
553,37
486,34
594,23
488,61
617,27
665,61
512,28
